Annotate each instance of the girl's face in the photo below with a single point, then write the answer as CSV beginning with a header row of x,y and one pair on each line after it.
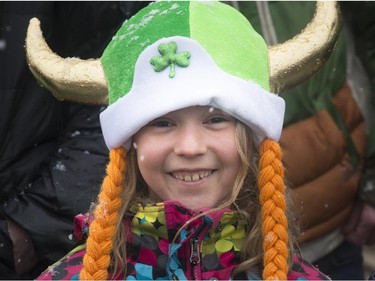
x,y
189,155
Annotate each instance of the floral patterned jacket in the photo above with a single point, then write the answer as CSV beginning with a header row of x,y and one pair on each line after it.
x,y
206,249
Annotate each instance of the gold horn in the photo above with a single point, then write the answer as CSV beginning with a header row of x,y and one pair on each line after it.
x,y
69,79
297,59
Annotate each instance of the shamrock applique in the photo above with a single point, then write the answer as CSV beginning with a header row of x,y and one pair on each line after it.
x,y
170,58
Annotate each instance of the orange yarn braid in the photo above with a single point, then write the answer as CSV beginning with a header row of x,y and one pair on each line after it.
x,y
103,228
274,222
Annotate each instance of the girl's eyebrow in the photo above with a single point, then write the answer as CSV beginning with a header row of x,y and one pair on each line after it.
x,y
214,110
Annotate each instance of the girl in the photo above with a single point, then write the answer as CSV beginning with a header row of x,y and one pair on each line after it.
x,y
194,188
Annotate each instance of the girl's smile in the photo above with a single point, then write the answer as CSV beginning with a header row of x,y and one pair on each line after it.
x,y
189,155
191,176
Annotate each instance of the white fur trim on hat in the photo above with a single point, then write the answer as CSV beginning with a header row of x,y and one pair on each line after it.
x,y
203,83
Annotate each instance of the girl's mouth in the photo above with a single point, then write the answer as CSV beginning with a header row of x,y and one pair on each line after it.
x,y
191,176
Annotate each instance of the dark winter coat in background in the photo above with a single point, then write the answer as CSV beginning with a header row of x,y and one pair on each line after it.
x,y
52,155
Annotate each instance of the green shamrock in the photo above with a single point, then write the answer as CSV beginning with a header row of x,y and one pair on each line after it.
x,y
169,57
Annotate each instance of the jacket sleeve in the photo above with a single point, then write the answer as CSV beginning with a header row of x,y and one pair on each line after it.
x,y
66,183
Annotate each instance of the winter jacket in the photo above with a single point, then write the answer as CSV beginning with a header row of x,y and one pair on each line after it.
x,y
207,249
327,122
52,155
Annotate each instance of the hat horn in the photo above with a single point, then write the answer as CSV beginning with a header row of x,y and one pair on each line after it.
x,y
69,79
291,62
297,59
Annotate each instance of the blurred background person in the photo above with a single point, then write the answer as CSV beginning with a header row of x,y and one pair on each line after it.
x,y
329,135
52,154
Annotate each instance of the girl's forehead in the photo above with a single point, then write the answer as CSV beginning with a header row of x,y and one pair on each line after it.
x,y
196,110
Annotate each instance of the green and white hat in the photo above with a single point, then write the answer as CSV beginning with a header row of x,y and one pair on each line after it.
x,y
173,55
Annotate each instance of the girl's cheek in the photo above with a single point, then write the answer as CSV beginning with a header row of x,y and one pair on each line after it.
x,y
140,156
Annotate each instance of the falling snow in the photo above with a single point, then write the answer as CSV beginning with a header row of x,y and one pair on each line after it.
x,y
104,210
132,26
141,158
70,236
59,166
153,12
146,42
369,187
3,44
76,133
51,270
92,206
125,21
268,238
146,20
135,38
174,6
135,145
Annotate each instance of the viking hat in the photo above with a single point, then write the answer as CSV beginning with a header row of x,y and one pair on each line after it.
x,y
172,55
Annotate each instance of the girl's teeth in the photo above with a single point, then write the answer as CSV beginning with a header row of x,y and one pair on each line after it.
x,y
187,178
193,177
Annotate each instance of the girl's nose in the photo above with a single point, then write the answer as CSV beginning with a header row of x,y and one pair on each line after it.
x,y
190,141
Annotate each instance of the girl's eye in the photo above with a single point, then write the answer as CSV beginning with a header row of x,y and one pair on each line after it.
x,y
161,123
215,120
219,119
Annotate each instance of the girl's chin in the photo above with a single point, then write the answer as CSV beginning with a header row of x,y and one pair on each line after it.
x,y
196,205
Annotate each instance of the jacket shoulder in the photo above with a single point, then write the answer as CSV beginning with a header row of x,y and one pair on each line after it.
x,y
303,270
67,268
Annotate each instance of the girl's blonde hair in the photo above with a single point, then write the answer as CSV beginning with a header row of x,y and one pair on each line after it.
x,y
269,241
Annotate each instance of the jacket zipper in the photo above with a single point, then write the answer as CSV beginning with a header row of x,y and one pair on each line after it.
x,y
195,258
195,255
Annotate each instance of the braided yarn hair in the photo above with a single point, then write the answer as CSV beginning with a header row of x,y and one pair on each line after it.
x,y
274,221
102,230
